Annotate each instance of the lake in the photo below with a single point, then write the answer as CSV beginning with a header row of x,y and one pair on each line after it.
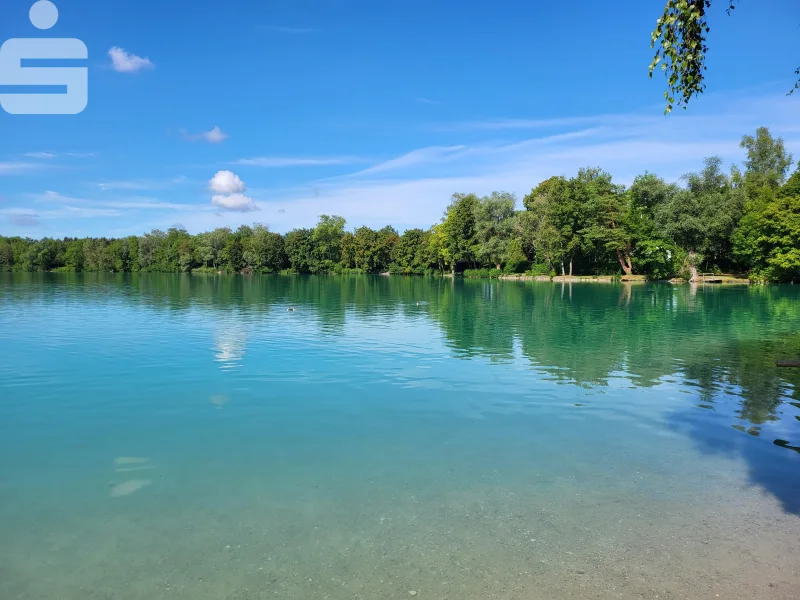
x,y
188,437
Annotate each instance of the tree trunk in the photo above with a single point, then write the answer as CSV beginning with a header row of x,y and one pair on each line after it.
x,y
625,263
570,267
562,268
497,266
691,259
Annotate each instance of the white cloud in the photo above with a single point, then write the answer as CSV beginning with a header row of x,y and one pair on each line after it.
x,y
128,185
226,182
24,220
214,136
126,62
130,203
64,212
49,155
417,157
229,193
282,161
141,184
234,202
15,168
148,203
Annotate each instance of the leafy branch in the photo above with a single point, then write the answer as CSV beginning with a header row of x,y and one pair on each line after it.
x,y
680,42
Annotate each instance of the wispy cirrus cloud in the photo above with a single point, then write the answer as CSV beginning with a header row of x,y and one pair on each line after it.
x,y
141,184
423,100
52,155
422,156
24,220
287,161
18,167
289,30
65,212
118,204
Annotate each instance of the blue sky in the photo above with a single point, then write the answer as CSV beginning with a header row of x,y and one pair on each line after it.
x,y
377,111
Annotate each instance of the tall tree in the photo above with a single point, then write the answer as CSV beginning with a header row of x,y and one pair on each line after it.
x,y
701,219
559,220
494,227
299,246
458,228
654,252
546,223
767,162
604,208
326,243
767,239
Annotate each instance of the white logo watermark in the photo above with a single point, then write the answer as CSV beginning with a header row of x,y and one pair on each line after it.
x,y
44,15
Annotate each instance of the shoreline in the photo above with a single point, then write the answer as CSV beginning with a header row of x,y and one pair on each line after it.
x,y
719,280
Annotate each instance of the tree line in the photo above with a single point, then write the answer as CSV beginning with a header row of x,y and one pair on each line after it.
x,y
745,220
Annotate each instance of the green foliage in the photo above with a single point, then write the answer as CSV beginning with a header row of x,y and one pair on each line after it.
x,y
701,218
769,236
494,227
410,255
515,259
550,225
541,269
603,207
792,186
326,240
680,34
767,162
680,37
458,229
204,271
262,250
299,245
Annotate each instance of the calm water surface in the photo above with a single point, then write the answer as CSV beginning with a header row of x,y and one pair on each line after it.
x,y
166,436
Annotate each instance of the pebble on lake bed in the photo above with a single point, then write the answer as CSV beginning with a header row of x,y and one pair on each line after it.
x,y
412,593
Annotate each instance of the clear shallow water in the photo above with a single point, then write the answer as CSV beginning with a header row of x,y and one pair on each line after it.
x,y
166,436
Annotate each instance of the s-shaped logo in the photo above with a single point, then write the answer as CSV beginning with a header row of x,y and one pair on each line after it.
x,y
68,91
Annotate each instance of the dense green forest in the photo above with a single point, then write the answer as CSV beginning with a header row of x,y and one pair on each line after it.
x,y
746,220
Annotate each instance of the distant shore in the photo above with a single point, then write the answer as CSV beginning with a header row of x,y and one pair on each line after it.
x,y
722,279
715,280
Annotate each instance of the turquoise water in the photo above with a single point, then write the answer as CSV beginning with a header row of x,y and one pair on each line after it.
x,y
167,436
